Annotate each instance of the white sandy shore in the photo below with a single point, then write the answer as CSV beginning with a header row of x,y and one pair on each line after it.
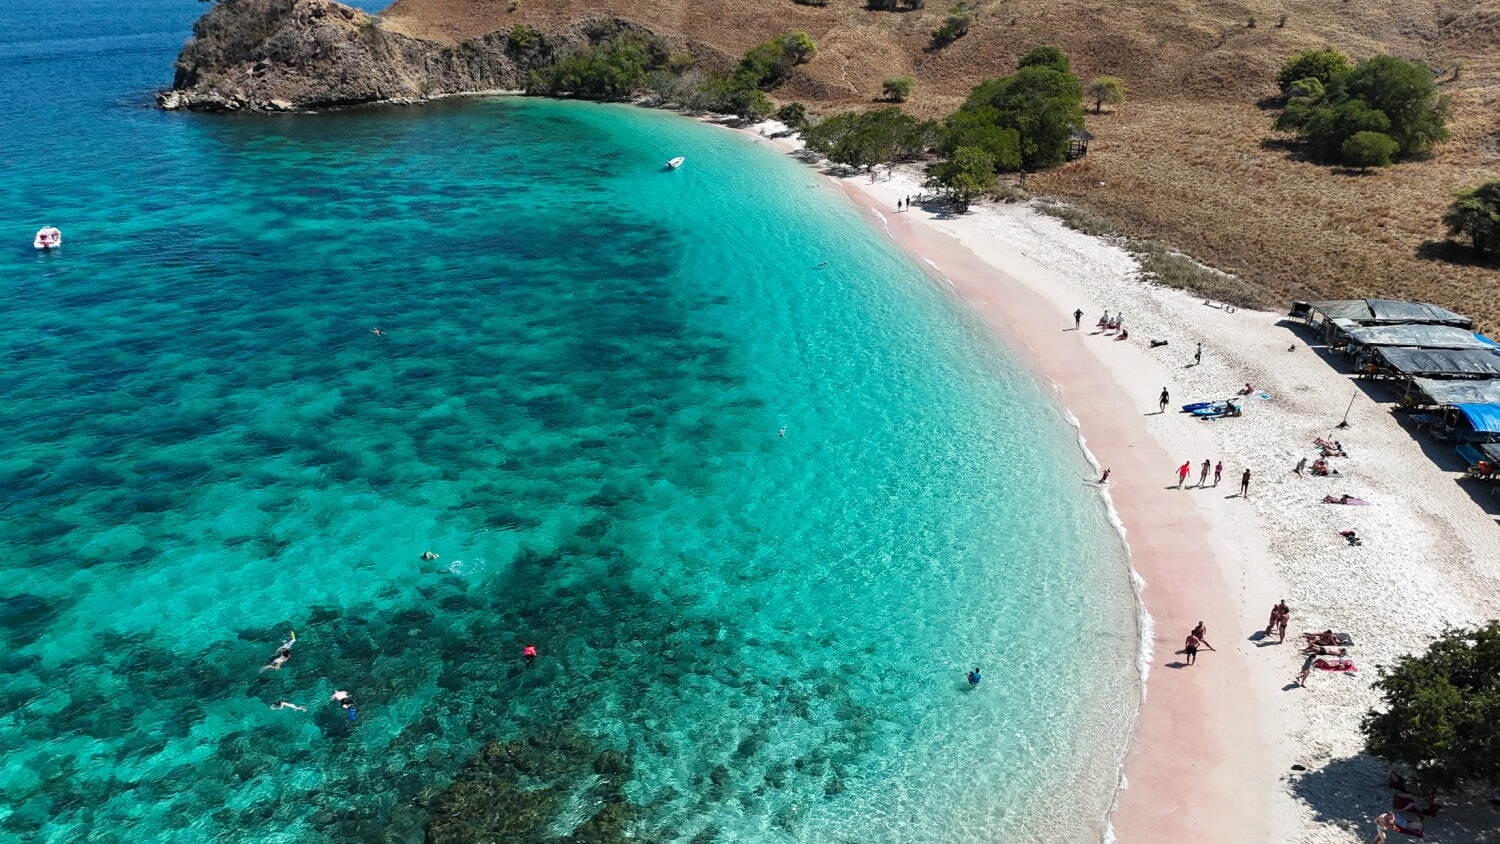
x,y
1430,558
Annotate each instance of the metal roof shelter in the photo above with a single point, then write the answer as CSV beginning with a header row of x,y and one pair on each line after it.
x,y
1433,391
1441,363
1386,312
1417,336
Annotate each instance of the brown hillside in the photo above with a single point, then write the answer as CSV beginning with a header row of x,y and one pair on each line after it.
x,y
1186,160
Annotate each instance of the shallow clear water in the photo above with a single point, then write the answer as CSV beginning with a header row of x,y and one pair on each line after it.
x,y
577,405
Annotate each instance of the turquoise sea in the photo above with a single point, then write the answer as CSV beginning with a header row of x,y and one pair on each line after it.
x,y
578,404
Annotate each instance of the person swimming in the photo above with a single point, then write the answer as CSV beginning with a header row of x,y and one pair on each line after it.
x,y
429,555
377,332
286,704
283,654
974,677
528,653
345,700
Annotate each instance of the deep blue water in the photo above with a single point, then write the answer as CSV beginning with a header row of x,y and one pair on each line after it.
x,y
577,403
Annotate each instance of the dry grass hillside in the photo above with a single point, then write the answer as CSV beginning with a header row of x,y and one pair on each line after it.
x,y
1191,160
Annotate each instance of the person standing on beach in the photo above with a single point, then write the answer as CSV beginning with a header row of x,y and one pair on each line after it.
x,y
1198,355
1104,478
1245,484
1307,665
1218,472
1078,319
1162,402
1182,473
1301,464
1201,634
1203,474
1191,649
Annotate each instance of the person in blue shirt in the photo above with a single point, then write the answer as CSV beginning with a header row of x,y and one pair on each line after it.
x,y
974,677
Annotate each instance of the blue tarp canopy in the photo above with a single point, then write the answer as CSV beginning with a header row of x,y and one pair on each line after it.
x,y
1484,418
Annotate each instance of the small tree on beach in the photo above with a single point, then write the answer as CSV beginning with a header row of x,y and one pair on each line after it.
x,y
794,115
1475,214
969,173
1106,89
1442,711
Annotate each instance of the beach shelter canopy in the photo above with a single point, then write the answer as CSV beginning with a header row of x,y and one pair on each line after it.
x,y
1388,312
1483,418
1458,392
1442,363
1491,452
1417,336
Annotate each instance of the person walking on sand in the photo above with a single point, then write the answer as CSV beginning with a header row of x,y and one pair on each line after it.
x,y
1104,478
1245,484
1161,402
1201,634
1218,472
1307,665
1301,464
1182,473
1198,355
1190,648
1203,474
1078,319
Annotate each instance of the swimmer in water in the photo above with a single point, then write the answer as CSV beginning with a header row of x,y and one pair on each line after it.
x,y
345,700
782,433
377,332
283,654
286,704
428,555
974,677
528,653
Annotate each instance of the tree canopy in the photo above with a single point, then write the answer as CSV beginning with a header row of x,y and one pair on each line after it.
x,y
969,173
1044,105
1475,214
1368,149
1046,56
1331,102
865,138
612,69
896,89
1442,711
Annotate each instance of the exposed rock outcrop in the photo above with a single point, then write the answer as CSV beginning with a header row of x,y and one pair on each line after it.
x,y
284,55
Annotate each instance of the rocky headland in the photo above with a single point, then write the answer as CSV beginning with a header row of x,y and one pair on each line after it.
x,y
295,55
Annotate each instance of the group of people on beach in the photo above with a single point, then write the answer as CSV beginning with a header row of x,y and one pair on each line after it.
x,y
1196,639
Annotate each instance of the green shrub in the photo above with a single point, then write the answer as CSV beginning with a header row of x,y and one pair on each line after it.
x,y
521,38
980,128
769,63
1326,66
1368,149
956,26
1442,712
897,89
612,69
794,115
1475,214
1045,56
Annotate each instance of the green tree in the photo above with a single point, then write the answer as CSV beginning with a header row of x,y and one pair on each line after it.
x,y
1475,214
1406,93
794,115
1442,711
1044,105
980,128
1310,88
1045,56
1326,66
1327,126
864,139
769,63
969,173
1368,149
799,45
612,69
896,89
1106,89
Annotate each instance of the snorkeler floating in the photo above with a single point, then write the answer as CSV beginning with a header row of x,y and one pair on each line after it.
x,y
974,677
528,653
345,700
283,653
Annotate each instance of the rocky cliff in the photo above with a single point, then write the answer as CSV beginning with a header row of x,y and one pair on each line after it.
x,y
285,55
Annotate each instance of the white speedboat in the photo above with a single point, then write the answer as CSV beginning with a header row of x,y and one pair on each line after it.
x,y
47,237
675,163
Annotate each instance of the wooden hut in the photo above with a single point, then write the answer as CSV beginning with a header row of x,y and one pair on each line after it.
x,y
1078,144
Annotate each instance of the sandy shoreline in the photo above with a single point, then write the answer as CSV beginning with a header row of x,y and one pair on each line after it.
x,y
1212,753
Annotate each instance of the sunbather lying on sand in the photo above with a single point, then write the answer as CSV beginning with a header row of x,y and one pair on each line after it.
x,y
1335,664
1324,650
1330,448
1328,637
1346,498
1320,468
1351,537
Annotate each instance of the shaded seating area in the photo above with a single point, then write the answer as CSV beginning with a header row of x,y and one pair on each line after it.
x,y
1436,392
1334,318
1483,460
1409,363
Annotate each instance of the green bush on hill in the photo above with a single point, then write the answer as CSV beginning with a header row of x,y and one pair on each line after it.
x,y
1475,214
612,69
1329,103
956,26
896,89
